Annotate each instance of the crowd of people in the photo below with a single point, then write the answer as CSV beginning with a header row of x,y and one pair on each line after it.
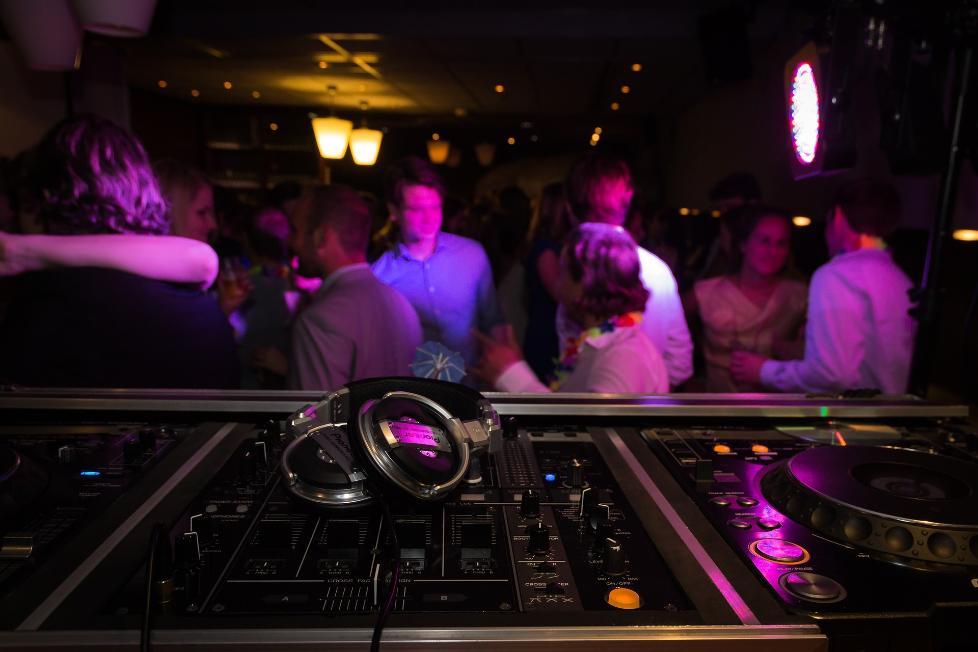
x,y
119,273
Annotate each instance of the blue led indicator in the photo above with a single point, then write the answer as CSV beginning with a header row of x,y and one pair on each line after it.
x,y
90,474
550,477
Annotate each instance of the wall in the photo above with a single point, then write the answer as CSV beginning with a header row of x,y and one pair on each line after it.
x,y
30,102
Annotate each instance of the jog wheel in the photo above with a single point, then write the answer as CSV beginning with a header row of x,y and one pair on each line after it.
x,y
905,505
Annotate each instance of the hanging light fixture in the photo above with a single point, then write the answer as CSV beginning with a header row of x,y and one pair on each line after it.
x,y
485,153
365,143
438,150
332,133
47,34
129,18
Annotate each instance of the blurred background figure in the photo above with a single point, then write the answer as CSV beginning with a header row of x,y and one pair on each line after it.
x,y
92,327
859,333
757,308
356,327
719,256
601,288
551,225
599,190
190,199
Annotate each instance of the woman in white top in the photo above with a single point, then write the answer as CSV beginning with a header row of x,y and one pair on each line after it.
x,y
757,309
600,287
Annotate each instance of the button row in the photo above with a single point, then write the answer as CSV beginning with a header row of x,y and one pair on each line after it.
x,y
726,501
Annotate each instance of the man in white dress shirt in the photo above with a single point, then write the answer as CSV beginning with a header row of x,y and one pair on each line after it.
x,y
859,333
599,189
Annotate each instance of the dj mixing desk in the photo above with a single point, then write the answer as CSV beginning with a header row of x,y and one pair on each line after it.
x,y
689,522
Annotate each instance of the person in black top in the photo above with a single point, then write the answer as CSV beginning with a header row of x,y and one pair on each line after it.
x,y
90,327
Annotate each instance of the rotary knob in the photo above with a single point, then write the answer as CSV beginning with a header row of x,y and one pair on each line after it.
x,y
575,474
186,550
530,504
539,534
602,533
614,558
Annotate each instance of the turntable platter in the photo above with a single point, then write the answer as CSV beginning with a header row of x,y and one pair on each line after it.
x,y
898,502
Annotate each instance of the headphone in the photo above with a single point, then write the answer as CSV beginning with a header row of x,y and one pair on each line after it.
x,y
414,436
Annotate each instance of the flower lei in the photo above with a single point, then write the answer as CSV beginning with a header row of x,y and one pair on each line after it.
x,y
567,362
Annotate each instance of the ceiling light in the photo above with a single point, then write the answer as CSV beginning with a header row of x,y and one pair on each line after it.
x,y
626,89
227,85
684,211
365,145
636,67
595,137
438,150
598,130
273,126
615,106
715,213
460,112
332,136
534,138
499,88
801,221
256,94
436,136
194,92
965,235
323,65
694,211
593,143
510,141
162,83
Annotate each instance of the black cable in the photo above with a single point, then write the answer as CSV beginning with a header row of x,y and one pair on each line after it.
x,y
388,604
154,543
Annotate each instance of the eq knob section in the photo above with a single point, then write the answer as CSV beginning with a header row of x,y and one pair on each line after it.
x,y
530,504
544,576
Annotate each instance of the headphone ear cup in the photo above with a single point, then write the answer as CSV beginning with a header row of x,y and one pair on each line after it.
x,y
461,401
319,467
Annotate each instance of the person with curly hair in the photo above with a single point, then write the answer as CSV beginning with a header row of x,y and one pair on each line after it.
x,y
92,311
600,287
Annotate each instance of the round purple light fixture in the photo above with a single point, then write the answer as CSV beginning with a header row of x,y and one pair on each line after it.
x,y
804,113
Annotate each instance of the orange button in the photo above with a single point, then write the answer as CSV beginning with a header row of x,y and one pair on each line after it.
x,y
760,449
723,449
624,599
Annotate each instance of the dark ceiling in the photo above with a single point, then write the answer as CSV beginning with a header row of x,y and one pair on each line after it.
x,y
439,59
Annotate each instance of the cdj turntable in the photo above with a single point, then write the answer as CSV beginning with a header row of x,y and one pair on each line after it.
x,y
428,516
843,521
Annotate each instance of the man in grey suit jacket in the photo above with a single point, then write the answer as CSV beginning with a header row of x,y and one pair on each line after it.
x,y
356,327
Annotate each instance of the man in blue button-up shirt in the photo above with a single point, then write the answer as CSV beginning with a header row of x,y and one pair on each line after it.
x,y
447,278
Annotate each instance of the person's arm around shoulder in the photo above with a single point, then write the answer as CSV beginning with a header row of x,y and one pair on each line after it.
x,y
834,343
164,258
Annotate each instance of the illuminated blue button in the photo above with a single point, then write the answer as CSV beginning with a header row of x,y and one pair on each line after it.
x,y
90,474
550,477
